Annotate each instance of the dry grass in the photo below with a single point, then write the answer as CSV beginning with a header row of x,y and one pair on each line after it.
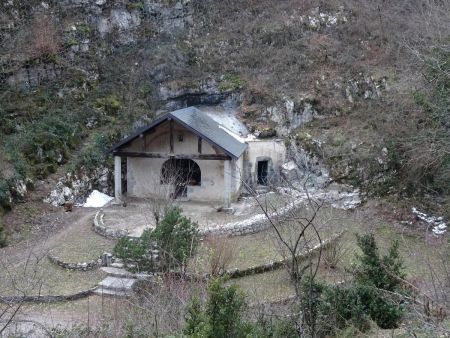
x,y
38,276
418,252
44,41
220,256
267,287
80,244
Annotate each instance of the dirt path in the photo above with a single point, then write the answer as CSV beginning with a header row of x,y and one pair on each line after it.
x,y
33,216
25,268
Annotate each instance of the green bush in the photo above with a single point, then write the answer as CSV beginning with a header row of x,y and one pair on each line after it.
x,y
344,306
175,238
136,253
94,155
329,309
42,145
3,241
231,82
380,272
111,104
326,309
5,195
222,315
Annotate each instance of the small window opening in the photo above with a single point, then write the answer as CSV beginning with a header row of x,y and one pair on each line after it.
x,y
180,138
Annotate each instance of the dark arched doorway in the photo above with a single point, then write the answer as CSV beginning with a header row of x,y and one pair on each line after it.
x,y
181,173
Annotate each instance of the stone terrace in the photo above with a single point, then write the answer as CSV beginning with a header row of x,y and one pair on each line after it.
x,y
138,214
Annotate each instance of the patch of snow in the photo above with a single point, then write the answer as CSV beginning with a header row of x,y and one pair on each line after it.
x,y
337,198
226,116
289,165
240,138
97,200
438,224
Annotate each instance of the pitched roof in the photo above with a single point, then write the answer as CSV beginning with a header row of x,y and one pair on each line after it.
x,y
200,124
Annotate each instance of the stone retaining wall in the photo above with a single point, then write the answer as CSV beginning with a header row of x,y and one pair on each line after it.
x,y
82,266
244,227
103,230
236,273
46,298
251,225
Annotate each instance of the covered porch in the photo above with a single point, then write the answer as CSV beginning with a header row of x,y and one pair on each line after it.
x,y
176,186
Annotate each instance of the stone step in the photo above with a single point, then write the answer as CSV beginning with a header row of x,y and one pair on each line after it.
x,y
117,265
117,284
116,272
111,293
122,273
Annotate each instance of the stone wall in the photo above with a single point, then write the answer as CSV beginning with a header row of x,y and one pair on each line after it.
x,y
103,230
46,298
79,266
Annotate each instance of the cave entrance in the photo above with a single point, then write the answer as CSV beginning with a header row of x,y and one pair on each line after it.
x,y
181,173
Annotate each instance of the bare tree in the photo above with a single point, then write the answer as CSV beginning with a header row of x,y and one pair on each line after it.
x,y
176,176
294,227
23,281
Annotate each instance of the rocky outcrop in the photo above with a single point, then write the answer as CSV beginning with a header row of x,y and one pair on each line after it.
x,y
124,18
170,19
292,114
75,187
179,94
34,75
288,114
120,20
19,189
365,86
316,19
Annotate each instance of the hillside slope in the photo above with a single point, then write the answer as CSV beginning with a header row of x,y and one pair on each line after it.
x,y
362,84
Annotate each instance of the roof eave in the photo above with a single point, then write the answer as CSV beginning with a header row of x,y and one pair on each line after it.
x,y
196,132
137,133
161,120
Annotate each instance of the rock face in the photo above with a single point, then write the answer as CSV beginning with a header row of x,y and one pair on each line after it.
x,y
125,17
32,76
170,18
366,87
293,114
121,20
179,95
86,26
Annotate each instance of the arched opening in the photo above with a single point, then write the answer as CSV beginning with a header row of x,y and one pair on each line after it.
x,y
181,173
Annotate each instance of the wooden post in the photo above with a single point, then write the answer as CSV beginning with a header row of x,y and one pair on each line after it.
x,y
227,184
171,135
118,179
